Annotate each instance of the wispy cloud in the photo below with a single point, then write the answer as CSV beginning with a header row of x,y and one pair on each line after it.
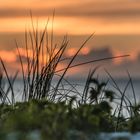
x,y
13,63
84,8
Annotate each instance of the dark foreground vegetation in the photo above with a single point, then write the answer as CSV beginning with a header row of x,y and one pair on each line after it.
x,y
56,111
66,119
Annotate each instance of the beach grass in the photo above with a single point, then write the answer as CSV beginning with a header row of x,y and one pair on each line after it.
x,y
89,110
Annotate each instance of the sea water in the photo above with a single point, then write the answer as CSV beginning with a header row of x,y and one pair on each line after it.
x,y
131,90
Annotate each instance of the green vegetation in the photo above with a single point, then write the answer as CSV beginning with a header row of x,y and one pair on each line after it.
x,y
55,111
61,119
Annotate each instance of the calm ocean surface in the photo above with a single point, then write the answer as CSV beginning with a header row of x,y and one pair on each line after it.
x,y
79,85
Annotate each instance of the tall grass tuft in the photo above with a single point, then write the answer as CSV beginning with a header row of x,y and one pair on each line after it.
x,y
40,69
42,80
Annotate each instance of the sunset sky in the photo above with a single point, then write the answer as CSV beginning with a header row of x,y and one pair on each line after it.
x,y
115,24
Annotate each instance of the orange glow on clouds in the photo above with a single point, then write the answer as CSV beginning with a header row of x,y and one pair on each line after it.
x,y
36,4
61,24
72,51
100,16
117,53
133,56
85,51
8,56
14,65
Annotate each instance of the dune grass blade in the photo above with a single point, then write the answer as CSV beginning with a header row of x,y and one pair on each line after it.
x,y
124,98
9,82
71,85
4,97
50,69
9,89
121,104
118,89
52,33
23,74
86,87
133,90
92,61
69,65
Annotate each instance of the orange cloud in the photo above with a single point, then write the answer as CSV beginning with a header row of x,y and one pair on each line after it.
x,y
31,4
8,56
85,51
83,25
72,51
133,56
